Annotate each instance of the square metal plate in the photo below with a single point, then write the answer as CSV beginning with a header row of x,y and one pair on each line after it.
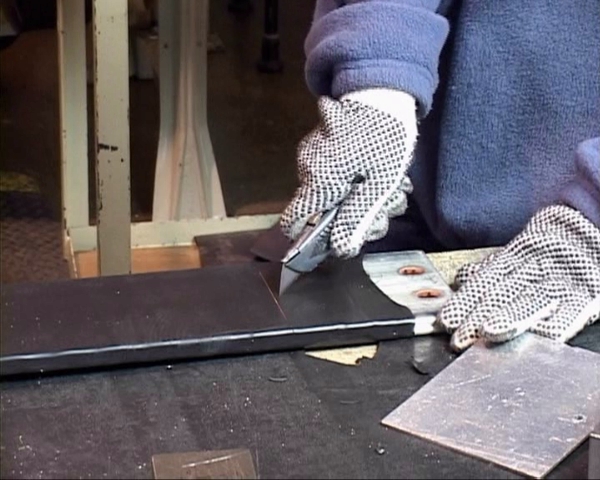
x,y
524,404
594,454
222,464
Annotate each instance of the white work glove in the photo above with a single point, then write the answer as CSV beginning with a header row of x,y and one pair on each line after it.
x,y
372,134
546,281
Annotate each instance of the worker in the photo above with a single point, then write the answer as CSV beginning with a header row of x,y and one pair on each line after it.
x,y
474,124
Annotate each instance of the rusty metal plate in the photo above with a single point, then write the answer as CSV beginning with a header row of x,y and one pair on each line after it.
x,y
524,405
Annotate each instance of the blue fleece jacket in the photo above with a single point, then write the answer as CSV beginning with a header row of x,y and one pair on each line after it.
x,y
508,94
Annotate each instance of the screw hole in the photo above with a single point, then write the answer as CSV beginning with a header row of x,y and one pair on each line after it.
x,y
411,270
429,293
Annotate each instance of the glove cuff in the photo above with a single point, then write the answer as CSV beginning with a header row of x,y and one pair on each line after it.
x,y
396,103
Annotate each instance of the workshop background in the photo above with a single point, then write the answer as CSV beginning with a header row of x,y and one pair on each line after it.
x,y
256,120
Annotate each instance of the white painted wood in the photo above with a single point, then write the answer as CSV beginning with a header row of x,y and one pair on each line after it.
x,y
111,102
73,112
187,184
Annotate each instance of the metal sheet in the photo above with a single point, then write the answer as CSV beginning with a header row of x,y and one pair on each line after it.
x,y
221,464
271,245
524,405
408,278
190,314
594,455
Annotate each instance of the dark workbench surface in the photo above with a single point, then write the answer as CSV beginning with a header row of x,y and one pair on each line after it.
x,y
300,417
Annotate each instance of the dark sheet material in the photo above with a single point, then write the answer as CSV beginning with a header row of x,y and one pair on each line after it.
x,y
200,313
227,248
299,416
271,245
268,245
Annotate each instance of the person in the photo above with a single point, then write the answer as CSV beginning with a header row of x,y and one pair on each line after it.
x,y
474,124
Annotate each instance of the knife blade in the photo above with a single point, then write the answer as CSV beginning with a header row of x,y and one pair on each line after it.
x,y
312,247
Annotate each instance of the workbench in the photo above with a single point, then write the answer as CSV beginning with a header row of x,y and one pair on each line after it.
x,y
299,417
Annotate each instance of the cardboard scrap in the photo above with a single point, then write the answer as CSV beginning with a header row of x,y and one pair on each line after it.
x,y
345,356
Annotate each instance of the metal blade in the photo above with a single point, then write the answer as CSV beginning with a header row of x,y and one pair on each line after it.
x,y
288,276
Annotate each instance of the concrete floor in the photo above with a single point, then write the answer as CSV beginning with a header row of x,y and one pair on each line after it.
x,y
255,119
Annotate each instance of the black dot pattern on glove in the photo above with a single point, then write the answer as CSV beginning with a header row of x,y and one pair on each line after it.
x,y
469,270
466,335
593,319
492,300
397,203
553,266
351,139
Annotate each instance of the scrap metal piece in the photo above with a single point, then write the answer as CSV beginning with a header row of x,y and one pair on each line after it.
x,y
525,404
271,245
221,464
408,278
403,277
448,263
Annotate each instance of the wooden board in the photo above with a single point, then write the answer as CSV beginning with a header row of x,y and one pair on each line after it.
x,y
144,260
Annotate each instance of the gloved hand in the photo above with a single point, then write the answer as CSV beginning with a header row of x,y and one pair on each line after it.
x,y
546,280
370,133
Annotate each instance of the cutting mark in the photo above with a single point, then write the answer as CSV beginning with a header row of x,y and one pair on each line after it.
x,y
471,380
272,295
256,454
208,461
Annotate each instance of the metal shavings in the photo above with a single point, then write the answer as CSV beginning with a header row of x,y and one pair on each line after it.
x,y
419,367
380,450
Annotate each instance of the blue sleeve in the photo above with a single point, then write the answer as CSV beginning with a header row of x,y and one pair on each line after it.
x,y
357,44
583,193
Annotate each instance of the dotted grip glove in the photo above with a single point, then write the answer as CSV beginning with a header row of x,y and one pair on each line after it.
x,y
354,138
546,280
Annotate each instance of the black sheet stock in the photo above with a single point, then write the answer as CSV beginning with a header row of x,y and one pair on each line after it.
x,y
190,314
